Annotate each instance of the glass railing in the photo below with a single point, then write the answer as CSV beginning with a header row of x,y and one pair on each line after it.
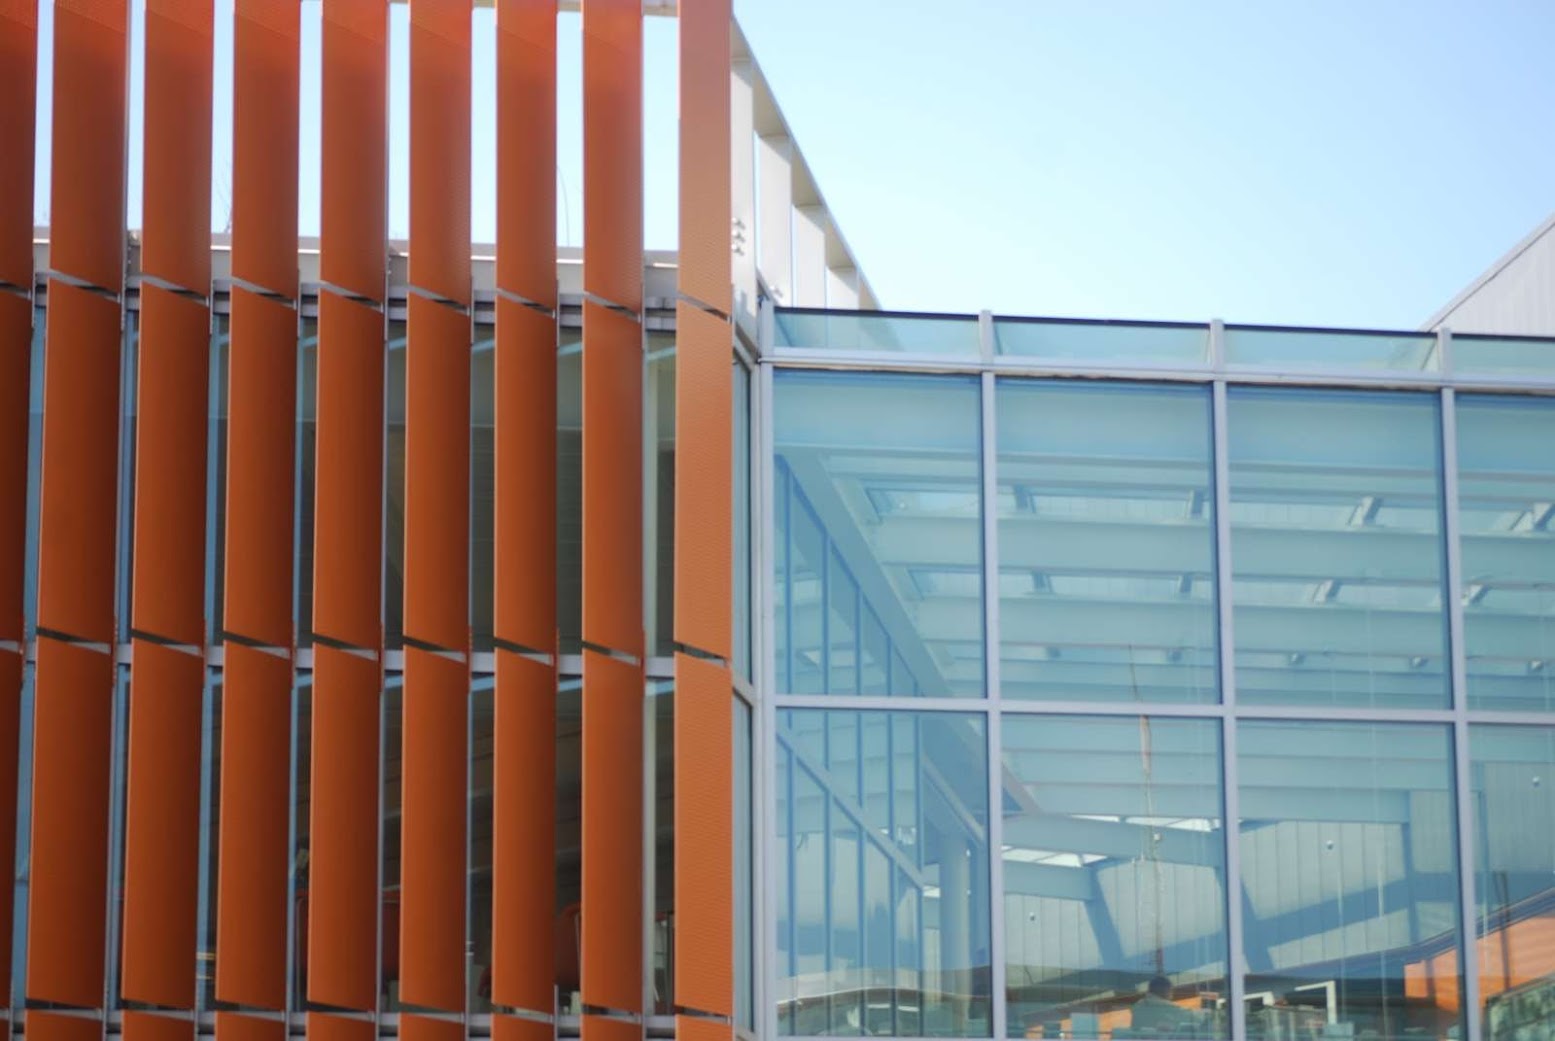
x,y
879,331
1503,356
1264,347
1102,342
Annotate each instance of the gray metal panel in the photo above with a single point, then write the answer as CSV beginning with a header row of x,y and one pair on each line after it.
x,y
1516,297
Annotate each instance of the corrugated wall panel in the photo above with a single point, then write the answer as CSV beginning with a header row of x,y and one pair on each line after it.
x,y
68,896
348,503
523,854
612,834
433,833
162,827
254,855
86,210
234,1026
170,463
526,150
80,464
704,839
437,476
265,74
353,212
613,151
18,85
612,481
147,1026
440,147
342,892
16,363
704,494
261,461
176,242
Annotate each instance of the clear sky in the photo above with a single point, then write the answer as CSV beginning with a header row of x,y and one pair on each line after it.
x,y
1329,162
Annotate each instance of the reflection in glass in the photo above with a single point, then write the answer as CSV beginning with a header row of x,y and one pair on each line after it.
x,y
1262,347
216,469
883,895
1349,879
482,736
210,814
22,877
879,331
659,494
744,871
391,799
297,896
659,749
742,520
307,453
1502,356
34,471
1114,877
1106,542
569,490
1513,770
879,568
394,488
1506,518
1102,342
483,460
1336,548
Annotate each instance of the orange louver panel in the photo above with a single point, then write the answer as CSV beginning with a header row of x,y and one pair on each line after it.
x,y
526,150
352,247
704,840
437,476
613,151
523,854
342,888
177,213
348,503
86,232
172,388
514,1028
18,85
433,832
425,1028
16,362
525,477
254,855
10,714
612,481
68,897
80,464
704,269
54,1026
265,71
603,1028
697,1028
440,148
612,834
162,826
147,1026
704,494
234,1026
321,1026
261,438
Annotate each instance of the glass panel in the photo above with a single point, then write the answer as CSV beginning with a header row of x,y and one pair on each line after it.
x,y
659,494
302,763
1106,542
210,811
659,734
394,491
879,495
482,735
876,331
1103,343
1502,356
1514,844
34,472
569,820
1114,877
118,786
569,491
1506,517
1349,880
888,927
129,398
744,872
216,469
742,520
392,773
483,406
23,866
1330,349
1336,548
307,451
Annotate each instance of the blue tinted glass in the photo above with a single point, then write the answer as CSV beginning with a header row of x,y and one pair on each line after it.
x,y
1103,343
1502,356
1331,349
874,331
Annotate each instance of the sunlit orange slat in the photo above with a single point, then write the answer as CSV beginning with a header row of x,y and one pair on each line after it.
x,y
54,1026
172,416
697,1028
15,389
515,1028
175,243
342,894
612,833
352,246
526,149
18,85
433,832
234,1026
525,477
602,1028
10,716
704,521
425,1028
612,480
704,841
148,1026
80,464
68,896
253,857
162,826
704,270
440,147
321,1026
613,151
265,75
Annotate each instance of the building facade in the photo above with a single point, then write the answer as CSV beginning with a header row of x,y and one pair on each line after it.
x,y
426,640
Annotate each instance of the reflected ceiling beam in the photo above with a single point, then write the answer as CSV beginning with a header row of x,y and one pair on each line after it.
x,y
1117,840
1048,881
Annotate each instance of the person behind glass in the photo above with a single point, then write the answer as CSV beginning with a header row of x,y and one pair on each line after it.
x,y
1156,1013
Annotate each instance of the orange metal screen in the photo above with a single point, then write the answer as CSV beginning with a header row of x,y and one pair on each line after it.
x,y
612,481
613,151
355,131
18,83
704,838
147,1026
10,730
704,519
265,42
175,243
440,148
233,1026
16,363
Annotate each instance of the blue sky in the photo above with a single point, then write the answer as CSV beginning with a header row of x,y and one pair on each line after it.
x,y
1290,161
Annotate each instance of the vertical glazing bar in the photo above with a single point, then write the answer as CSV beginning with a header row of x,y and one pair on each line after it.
x,y
991,662
1468,957
765,671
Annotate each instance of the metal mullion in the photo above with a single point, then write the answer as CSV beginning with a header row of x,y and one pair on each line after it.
x,y
764,720
1468,957
1231,797
877,703
993,731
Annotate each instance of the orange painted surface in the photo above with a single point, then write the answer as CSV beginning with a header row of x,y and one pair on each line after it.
x,y
16,361
704,838
176,241
265,75
704,493
162,826
526,149
425,1028
694,1028
612,480
147,1026
10,717
234,1026
433,835
600,1028
612,833
440,147
348,502
86,184
352,245
261,445
613,151
254,854
172,388
1509,956
18,85
80,464
50,1026
523,866
705,266
321,1026
68,897
437,476
525,478
342,895
512,1028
